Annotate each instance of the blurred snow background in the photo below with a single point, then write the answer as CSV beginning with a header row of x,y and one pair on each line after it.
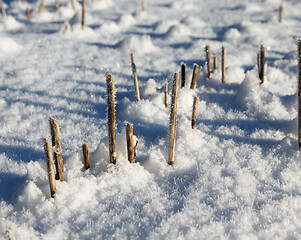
x,y
236,176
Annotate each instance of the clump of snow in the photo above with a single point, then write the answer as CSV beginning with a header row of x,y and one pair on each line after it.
x,y
150,88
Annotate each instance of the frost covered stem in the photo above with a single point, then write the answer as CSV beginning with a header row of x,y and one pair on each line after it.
x,y
173,120
55,137
130,143
194,111
183,70
86,156
194,75
111,116
50,168
223,65
209,64
280,13
135,76
299,92
83,13
165,94
215,62
261,64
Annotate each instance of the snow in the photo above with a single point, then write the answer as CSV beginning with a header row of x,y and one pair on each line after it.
x,y
237,175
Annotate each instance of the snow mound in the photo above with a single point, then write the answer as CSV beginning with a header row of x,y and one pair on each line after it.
x,y
232,35
163,26
139,44
177,32
126,20
8,45
102,4
10,23
258,100
109,27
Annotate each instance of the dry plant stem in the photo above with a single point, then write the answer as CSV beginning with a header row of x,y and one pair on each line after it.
x,y
183,70
3,9
135,76
258,64
173,120
209,65
28,14
111,116
55,137
9,234
73,5
215,62
261,64
165,94
57,5
194,76
50,168
299,93
280,13
194,111
41,7
135,148
223,65
143,6
83,13
86,157
130,143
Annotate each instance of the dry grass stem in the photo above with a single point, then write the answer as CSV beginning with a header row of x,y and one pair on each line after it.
x,y
56,144
299,92
261,64
196,70
215,62
143,8
183,72
130,143
28,13
86,156
73,5
42,7
3,9
223,65
111,116
135,76
280,13
165,94
50,168
194,111
209,64
57,5
83,13
173,120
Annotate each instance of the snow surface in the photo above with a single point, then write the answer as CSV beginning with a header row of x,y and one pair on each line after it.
x,y
237,175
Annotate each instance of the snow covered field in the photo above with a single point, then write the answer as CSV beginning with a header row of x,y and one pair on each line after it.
x,y
237,175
